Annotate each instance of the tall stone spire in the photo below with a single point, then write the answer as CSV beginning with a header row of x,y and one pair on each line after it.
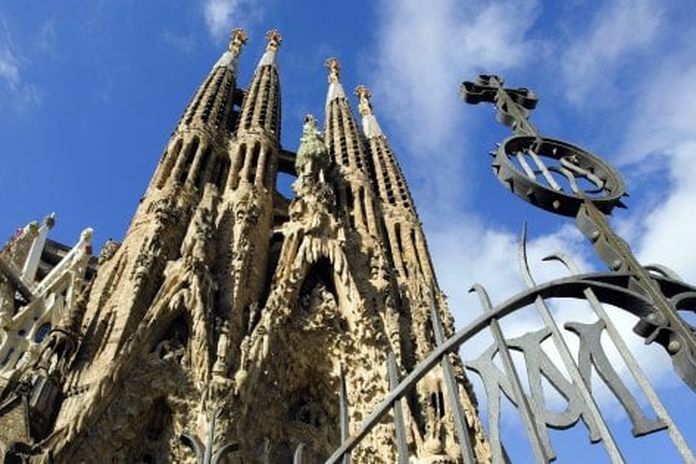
x,y
335,86
246,213
229,317
414,272
211,106
230,58
404,231
347,148
130,283
269,57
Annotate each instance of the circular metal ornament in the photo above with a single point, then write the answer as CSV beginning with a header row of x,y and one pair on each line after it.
x,y
557,176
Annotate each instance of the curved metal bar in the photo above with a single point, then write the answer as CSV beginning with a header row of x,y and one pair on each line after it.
x,y
631,363
583,385
194,443
566,260
542,450
663,270
570,287
298,457
223,451
460,423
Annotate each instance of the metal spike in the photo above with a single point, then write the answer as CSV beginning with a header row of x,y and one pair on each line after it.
x,y
343,414
298,458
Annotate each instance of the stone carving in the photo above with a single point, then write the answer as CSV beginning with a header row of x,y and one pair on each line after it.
x,y
198,341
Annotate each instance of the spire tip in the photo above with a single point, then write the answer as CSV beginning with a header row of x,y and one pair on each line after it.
x,y
364,95
334,68
238,37
274,39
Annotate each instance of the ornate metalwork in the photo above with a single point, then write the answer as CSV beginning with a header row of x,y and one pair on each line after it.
x,y
589,206
210,452
567,180
613,288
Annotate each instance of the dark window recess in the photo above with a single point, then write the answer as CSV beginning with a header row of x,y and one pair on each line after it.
x,y
190,154
42,333
221,174
200,178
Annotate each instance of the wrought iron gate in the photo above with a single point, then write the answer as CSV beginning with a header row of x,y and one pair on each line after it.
x,y
565,179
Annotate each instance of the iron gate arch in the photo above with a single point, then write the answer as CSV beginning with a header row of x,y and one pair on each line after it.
x,y
583,186
578,185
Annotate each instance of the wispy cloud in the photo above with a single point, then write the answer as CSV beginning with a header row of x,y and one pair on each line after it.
x,y
620,30
13,86
9,64
663,136
9,70
223,15
422,55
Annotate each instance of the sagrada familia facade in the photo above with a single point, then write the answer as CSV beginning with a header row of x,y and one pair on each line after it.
x,y
224,325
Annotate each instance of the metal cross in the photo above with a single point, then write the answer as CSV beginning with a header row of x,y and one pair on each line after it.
x,y
512,105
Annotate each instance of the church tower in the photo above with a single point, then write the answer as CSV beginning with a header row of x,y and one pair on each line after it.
x,y
232,325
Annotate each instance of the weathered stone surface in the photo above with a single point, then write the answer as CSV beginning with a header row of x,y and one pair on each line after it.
x,y
227,318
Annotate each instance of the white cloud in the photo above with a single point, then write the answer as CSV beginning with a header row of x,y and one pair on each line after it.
x,y
620,28
422,56
9,71
9,66
668,229
223,15
15,90
663,136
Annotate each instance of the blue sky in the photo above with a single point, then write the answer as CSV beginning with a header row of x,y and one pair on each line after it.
x,y
90,91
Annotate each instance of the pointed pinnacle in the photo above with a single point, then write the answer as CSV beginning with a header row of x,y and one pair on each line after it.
x,y
274,39
334,68
364,106
238,38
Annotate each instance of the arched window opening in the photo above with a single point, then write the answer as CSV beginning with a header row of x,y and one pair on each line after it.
x,y
414,244
238,164
437,402
400,246
253,161
319,276
168,163
202,167
190,154
222,173
42,332
160,421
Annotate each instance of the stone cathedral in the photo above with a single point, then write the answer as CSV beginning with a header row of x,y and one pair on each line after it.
x,y
226,322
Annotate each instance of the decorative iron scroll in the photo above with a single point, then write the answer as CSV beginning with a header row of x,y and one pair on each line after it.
x,y
575,386
540,186
562,178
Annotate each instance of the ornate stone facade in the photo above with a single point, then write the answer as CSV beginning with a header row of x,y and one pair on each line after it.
x,y
225,321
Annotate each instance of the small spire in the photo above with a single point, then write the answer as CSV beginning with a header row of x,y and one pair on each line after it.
x,y
364,95
369,121
274,40
335,87
229,59
312,155
334,68
238,38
